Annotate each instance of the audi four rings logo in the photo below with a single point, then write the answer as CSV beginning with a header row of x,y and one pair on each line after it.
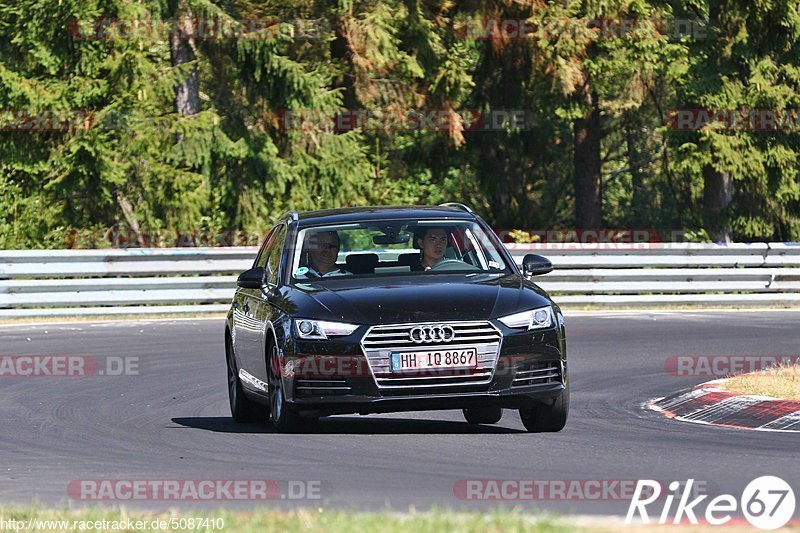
x,y
438,333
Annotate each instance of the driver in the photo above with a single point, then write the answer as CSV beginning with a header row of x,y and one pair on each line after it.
x,y
323,249
433,243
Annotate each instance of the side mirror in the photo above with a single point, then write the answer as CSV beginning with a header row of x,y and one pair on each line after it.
x,y
251,279
271,292
535,265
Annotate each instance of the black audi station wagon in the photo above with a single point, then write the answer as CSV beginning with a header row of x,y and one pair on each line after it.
x,y
386,309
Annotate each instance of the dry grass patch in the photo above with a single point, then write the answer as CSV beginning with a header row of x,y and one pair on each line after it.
x,y
779,382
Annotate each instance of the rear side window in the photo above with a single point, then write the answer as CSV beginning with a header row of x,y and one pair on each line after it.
x,y
263,253
274,254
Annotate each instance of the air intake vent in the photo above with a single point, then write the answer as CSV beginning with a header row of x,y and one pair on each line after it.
x,y
549,372
321,387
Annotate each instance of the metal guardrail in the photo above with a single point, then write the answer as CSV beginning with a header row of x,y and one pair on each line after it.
x,y
173,280
671,273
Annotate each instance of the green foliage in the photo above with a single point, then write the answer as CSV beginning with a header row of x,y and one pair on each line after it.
x,y
129,160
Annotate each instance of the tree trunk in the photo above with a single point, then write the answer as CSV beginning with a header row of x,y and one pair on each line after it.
x,y
340,49
639,198
182,47
717,195
717,186
586,160
130,216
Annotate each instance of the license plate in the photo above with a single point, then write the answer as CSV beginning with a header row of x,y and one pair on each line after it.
x,y
403,361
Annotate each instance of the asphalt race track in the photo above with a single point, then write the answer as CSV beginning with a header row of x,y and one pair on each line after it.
x,y
171,421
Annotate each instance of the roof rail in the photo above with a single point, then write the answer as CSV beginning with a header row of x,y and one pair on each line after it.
x,y
456,205
292,214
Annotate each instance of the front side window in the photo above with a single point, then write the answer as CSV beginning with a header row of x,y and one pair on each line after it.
x,y
395,247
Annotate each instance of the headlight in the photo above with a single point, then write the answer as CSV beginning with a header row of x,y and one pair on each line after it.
x,y
318,329
533,319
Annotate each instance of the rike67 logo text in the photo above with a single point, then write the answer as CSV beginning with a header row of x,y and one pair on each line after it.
x,y
767,502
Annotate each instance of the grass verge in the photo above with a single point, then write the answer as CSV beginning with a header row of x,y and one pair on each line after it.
x,y
266,521
24,519
779,382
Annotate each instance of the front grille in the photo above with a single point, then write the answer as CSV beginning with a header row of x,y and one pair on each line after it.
x,y
381,341
549,372
321,387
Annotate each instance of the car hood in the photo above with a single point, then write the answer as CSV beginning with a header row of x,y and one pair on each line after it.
x,y
398,300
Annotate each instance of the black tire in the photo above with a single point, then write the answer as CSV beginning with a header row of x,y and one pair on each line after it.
x,y
284,417
547,418
483,415
243,409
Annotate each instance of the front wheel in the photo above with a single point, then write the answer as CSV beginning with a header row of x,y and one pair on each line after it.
x,y
547,418
284,417
243,409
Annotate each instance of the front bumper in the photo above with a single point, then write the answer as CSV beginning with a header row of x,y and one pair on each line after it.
x,y
508,399
334,377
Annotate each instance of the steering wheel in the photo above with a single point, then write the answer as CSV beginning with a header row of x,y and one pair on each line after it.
x,y
454,264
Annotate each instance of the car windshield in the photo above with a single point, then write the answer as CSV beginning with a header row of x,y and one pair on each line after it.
x,y
395,247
